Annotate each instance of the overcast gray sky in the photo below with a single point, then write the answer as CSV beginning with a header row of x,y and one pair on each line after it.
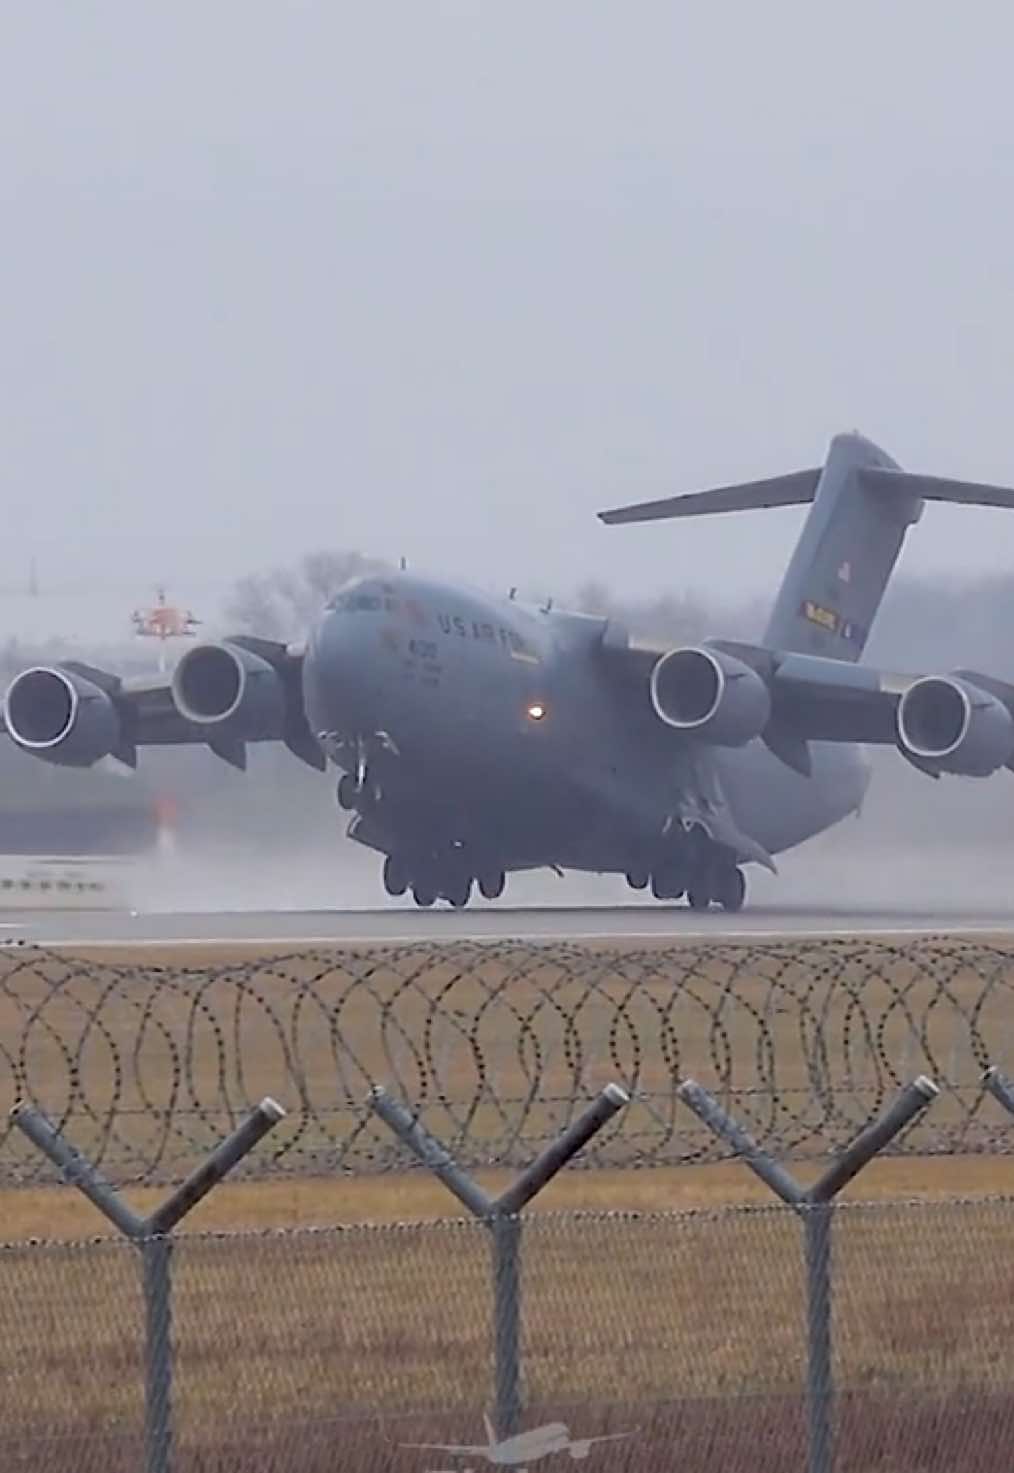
x,y
444,279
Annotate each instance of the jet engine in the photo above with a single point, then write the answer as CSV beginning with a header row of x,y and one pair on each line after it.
x,y
230,687
711,695
62,717
950,725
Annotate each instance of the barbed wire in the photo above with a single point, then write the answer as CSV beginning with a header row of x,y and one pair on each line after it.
x,y
497,1046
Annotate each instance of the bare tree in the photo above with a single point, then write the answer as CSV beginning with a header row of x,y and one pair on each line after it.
x,y
283,603
683,617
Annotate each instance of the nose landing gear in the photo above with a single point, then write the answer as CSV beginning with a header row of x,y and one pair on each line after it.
x,y
357,794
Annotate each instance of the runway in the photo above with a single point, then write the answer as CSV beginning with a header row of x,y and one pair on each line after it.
x,y
488,923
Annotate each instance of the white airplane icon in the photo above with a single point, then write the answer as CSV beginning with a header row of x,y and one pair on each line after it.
x,y
523,1447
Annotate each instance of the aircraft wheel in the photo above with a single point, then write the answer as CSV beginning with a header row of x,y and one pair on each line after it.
x,y
424,895
637,879
732,890
348,791
668,884
395,878
491,884
459,891
699,899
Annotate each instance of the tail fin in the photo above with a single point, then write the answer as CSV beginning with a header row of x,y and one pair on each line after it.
x,y
862,506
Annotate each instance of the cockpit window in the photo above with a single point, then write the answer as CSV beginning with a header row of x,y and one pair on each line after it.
x,y
354,602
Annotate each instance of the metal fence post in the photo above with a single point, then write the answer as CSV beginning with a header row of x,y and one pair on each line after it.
x,y
507,1321
151,1236
1000,1087
502,1216
815,1205
819,1370
158,1367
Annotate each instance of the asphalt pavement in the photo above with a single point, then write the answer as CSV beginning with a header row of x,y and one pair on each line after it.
x,y
548,923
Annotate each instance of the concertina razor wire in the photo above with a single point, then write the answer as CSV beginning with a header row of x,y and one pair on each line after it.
x,y
497,1047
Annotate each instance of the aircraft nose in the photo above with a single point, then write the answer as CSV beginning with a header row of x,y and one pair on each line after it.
x,y
342,679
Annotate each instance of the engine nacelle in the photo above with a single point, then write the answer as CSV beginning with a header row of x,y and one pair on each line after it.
x,y
61,717
953,726
226,686
711,695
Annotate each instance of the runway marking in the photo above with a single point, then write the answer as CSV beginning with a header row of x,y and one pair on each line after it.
x,y
158,929
491,925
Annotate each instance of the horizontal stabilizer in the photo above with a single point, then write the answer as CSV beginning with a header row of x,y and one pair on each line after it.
x,y
798,488
938,488
795,489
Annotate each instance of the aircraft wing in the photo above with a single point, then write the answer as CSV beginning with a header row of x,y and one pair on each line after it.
x,y
728,692
444,1447
220,695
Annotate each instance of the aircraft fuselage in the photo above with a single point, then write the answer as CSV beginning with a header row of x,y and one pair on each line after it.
x,y
484,724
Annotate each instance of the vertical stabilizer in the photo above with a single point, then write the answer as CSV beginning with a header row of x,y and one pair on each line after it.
x,y
845,555
861,505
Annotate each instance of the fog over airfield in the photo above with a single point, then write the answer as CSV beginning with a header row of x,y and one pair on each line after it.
x,y
442,280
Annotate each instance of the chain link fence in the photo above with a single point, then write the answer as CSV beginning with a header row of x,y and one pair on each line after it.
x,y
815,1333
146,1064
306,1351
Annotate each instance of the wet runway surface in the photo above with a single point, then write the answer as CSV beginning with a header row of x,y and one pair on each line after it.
x,y
67,928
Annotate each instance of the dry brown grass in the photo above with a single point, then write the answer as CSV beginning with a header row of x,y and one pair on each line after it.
x,y
61,1214
355,1323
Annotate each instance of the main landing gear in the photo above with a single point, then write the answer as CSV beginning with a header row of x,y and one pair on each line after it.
x,y
436,877
704,872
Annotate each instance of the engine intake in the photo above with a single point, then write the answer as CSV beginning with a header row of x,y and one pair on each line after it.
x,y
711,694
61,717
228,686
953,726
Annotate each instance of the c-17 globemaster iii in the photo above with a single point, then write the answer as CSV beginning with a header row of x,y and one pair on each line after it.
x,y
476,736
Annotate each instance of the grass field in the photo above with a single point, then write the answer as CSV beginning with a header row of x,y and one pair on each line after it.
x,y
380,1329
59,1214
378,1333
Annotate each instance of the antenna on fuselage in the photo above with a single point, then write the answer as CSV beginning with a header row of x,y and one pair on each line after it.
x,y
513,594
403,564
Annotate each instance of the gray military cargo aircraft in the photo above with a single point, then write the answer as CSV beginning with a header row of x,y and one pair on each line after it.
x,y
476,736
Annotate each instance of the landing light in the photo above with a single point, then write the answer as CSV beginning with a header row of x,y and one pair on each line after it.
x,y
536,711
